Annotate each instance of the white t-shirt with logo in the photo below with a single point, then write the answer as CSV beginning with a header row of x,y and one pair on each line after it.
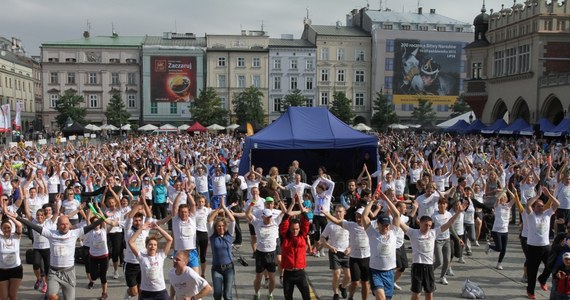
x,y
41,242
62,254
359,243
502,217
10,251
97,242
427,204
187,284
422,245
267,234
139,242
337,236
382,247
184,233
202,218
440,219
538,228
152,274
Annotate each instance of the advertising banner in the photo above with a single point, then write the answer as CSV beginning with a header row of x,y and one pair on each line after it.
x,y
7,126
173,78
18,118
428,70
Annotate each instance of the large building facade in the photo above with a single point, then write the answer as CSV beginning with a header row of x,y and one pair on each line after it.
x,y
519,62
94,68
415,55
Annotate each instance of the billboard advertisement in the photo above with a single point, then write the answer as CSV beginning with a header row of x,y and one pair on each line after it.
x,y
172,78
428,70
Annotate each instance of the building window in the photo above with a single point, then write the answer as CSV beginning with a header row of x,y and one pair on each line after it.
x,y
548,25
293,65
387,27
115,79
276,104
340,75
309,83
511,60
524,58
131,100
441,28
406,27
388,82
325,75
173,108
459,29
71,78
241,62
389,45
293,83
561,25
340,54
223,104
424,28
256,62
277,82
221,81
499,63
93,101
389,64
221,61
324,98
277,63
241,81
309,102
256,81
442,108
131,60
359,76
53,100
154,107
359,99
325,54
309,64
132,78
92,78
359,55
476,69
53,78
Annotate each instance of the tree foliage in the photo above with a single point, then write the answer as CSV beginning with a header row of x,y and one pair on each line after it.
x,y
117,113
460,107
384,115
342,107
207,108
248,107
423,113
69,105
294,99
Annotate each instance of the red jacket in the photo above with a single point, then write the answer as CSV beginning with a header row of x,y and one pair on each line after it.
x,y
293,247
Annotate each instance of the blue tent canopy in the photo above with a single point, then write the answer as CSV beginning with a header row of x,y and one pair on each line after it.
x,y
495,127
545,125
519,126
314,137
561,129
476,126
459,126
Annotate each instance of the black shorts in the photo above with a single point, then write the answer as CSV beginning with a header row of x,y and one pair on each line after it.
x,y
422,277
13,273
251,230
132,274
359,269
401,258
265,261
338,261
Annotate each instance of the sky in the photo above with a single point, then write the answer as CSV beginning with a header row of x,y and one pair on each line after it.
x,y
38,21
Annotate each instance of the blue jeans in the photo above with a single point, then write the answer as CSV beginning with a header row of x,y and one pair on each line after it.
x,y
222,283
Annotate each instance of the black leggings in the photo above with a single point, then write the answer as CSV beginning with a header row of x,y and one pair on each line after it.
x,y
536,255
159,210
320,223
41,256
298,279
115,244
98,267
202,241
500,239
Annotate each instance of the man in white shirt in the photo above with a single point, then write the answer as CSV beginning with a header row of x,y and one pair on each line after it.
x,y
339,248
185,283
184,229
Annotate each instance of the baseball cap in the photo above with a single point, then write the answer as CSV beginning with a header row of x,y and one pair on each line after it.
x,y
146,178
159,177
383,219
77,184
360,210
566,255
269,199
267,213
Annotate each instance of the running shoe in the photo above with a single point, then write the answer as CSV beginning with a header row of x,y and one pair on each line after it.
x,y
116,275
103,296
530,296
342,291
544,287
443,281
44,288
37,284
488,249
397,287
500,267
90,285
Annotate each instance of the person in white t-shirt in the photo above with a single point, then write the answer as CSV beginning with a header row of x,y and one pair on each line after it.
x,y
538,222
98,262
151,260
184,228
11,271
423,243
500,230
202,213
335,238
185,283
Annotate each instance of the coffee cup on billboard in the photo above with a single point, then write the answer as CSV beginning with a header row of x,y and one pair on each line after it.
x,y
180,85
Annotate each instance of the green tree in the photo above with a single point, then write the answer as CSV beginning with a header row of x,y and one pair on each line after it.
x,y
460,107
117,113
423,113
384,115
294,99
342,107
207,108
248,107
69,105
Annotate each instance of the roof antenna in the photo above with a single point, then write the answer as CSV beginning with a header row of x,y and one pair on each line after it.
x,y
175,26
113,32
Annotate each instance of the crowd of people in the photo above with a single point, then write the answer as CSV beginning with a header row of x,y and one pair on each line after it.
x,y
125,204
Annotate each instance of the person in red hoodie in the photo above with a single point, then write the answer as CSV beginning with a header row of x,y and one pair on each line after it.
x,y
293,233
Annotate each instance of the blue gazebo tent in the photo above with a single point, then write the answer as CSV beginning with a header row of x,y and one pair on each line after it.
x,y
459,126
476,126
561,129
545,125
519,126
495,127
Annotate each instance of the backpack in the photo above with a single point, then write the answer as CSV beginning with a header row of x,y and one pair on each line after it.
x,y
471,290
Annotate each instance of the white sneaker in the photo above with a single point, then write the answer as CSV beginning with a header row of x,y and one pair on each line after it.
x,y
443,281
397,287
461,260
476,243
115,275
450,272
323,252
488,249
499,267
524,279
318,254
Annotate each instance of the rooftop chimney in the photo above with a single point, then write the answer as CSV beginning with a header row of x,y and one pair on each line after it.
x,y
419,10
